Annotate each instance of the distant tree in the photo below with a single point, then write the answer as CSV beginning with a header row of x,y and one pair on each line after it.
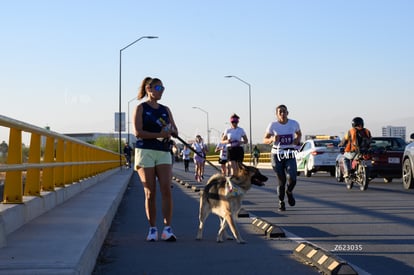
x,y
25,153
108,143
4,148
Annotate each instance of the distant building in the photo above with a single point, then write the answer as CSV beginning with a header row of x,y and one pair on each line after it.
x,y
394,131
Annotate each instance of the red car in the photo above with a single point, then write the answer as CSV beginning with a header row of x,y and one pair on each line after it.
x,y
386,162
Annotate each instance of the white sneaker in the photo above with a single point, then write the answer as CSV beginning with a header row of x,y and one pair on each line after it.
x,y
152,234
167,234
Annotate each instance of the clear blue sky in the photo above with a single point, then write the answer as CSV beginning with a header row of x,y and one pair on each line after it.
x,y
327,60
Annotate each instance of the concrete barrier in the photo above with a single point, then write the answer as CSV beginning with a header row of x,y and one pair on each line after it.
x,y
13,216
67,239
326,262
268,229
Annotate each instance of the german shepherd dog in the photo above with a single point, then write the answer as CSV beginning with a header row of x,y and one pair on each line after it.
x,y
223,197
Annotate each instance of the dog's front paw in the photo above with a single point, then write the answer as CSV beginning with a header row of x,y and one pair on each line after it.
x,y
241,241
199,234
228,236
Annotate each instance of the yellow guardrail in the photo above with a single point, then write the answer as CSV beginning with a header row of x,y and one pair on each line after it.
x,y
65,160
264,158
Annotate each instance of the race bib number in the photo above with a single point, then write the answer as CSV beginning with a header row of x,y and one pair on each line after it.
x,y
285,139
235,143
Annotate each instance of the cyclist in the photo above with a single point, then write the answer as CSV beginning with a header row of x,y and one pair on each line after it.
x,y
356,140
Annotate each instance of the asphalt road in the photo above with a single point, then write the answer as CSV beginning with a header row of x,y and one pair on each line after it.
x,y
126,252
372,230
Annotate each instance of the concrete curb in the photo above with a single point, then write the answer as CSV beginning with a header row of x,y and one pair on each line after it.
x,y
324,261
68,238
270,230
13,216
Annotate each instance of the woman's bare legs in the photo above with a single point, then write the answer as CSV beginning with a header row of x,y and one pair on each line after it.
x,y
147,176
148,179
164,174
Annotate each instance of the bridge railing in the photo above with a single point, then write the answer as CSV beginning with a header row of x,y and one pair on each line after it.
x,y
65,160
264,158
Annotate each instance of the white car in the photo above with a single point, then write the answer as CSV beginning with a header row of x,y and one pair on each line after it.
x,y
318,154
408,165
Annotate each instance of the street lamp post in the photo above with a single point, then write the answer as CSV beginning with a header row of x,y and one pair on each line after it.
x,y
208,126
250,110
120,75
219,134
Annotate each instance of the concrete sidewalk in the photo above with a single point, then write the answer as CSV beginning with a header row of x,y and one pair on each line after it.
x,y
68,238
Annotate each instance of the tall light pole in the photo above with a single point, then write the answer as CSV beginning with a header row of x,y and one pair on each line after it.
x,y
219,134
132,99
250,109
208,125
120,75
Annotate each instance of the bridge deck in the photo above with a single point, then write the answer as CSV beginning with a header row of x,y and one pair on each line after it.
x,y
67,239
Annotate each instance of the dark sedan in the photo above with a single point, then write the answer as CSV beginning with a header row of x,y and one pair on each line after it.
x,y
386,153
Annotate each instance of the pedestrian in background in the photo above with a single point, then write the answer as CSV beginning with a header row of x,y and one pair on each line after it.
x,y
284,134
154,125
174,152
222,148
256,155
185,154
127,154
235,137
199,158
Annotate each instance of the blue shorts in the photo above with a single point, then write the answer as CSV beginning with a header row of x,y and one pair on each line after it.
x,y
147,158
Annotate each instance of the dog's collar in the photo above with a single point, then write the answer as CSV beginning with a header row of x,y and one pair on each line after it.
x,y
233,190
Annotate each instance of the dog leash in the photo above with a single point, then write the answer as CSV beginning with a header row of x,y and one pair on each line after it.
x,y
198,154
233,190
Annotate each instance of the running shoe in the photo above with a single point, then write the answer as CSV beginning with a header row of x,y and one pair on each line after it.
x,y
167,234
282,206
291,199
152,234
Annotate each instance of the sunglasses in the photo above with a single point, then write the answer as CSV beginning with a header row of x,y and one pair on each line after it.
x,y
159,88
234,121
